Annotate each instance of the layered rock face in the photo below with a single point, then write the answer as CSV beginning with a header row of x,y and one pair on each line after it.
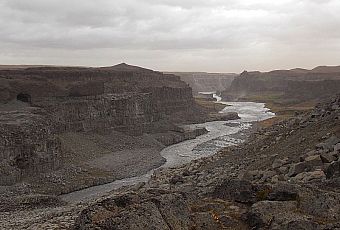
x,y
38,104
127,112
28,145
286,85
112,93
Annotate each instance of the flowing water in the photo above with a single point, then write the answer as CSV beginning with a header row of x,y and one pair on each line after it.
x,y
221,134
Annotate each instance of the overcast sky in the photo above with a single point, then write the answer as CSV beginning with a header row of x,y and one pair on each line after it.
x,y
172,35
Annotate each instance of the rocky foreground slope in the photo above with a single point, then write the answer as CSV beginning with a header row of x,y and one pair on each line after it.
x,y
284,177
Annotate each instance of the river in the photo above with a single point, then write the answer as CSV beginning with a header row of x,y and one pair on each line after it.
x,y
221,134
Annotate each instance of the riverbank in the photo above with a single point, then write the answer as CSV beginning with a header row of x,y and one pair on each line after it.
x,y
212,105
282,109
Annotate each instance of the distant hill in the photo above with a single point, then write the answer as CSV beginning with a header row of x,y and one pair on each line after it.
x,y
13,67
286,85
326,69
127,68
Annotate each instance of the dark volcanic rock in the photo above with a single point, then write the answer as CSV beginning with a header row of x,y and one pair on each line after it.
x,y
328,144
298,168
271,214
283,192
238,190
333,170
167,211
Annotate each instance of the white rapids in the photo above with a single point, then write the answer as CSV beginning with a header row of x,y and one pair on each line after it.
x,y
219,136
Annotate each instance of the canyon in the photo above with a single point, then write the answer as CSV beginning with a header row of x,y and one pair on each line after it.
x,y
206,82
60,126
75,142
253,186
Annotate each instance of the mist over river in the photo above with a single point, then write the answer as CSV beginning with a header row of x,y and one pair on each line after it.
x,y
221,134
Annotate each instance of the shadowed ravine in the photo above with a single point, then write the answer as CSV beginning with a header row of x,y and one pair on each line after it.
x,y
220,135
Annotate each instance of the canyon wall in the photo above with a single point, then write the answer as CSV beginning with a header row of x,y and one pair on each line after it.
x,y
28,145
207,82
295,85
81,98
39,104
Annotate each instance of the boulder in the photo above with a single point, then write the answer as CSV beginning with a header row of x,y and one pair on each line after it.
x,y
275,179
310,153
252,175
280,162
228,221
142,211
283,192
300,225
322,204
333,170
176,179
205,220
298,168
268,174
238,190
337,148
309,176
283,169
314,160
271,213
328,144
328,157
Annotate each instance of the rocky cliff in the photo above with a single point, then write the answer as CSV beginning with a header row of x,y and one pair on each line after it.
x,y
46,113
296,85
28,145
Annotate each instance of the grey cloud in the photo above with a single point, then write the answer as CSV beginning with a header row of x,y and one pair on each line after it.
x,y
131,28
